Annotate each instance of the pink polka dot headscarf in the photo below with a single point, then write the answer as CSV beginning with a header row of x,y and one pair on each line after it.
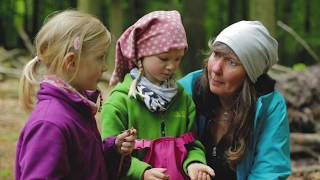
x,y
155,33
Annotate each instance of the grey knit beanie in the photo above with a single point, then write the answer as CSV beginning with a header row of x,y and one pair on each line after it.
x,y
252,43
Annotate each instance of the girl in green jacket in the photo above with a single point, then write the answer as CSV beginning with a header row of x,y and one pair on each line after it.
x,y
148,99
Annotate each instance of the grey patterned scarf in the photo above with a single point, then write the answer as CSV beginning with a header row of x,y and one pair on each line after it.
x,y
156,98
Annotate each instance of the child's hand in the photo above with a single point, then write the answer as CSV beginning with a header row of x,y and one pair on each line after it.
x,y
198,171
155,174
125,141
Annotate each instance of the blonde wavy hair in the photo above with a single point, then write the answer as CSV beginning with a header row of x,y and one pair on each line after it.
x,y
55,39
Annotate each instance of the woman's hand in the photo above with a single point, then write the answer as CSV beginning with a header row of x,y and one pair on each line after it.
x,y
125,141
155,174
198,171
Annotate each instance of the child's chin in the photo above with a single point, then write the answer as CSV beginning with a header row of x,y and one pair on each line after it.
x,y
94,88
163,79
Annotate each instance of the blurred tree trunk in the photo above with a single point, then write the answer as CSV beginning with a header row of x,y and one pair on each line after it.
x,y
244,6
10,36
116,27
2,29
308,16
26,18
284,10
90,6
237,10
73,3
35,16
100,10
193,19
136,9
264,11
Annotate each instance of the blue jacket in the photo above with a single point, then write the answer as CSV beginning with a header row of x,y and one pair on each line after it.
x,y
268,157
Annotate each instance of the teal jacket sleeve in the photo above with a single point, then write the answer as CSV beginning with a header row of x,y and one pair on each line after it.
x,y
271,159
188,80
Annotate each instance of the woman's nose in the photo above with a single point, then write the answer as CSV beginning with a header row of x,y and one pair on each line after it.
x,y
217,65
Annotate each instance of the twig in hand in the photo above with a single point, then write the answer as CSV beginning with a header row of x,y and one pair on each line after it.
x,y
130,132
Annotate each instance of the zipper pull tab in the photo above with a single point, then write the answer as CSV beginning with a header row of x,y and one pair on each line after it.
x,y
163,132
214,151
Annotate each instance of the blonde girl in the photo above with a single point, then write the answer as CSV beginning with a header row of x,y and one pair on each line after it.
x,y
60,140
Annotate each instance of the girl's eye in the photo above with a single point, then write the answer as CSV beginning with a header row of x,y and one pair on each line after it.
x,y
101,58
163,58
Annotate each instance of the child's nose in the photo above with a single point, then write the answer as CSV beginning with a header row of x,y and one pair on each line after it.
x,y
104,68
172,66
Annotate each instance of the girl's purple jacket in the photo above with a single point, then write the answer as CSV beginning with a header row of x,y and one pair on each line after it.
x,y
61,140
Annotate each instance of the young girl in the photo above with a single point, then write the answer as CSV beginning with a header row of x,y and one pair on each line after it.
x,y
60,140
149,100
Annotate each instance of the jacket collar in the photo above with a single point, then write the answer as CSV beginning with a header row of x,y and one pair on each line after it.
x,y
55,87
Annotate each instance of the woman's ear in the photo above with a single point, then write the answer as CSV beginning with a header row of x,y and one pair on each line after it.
x,y
69,61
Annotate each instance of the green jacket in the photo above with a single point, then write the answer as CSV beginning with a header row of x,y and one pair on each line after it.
x,y
121,112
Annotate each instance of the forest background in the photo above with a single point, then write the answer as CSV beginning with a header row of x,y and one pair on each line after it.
x,y
203,20
294,23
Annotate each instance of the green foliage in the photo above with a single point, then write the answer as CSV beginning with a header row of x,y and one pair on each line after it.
x,y
295,14
20,7
163,5
19,13
214,19
299,67
314,20
47,8
8,31
5,173
300,15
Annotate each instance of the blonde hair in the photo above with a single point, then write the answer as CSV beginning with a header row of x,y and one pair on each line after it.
x,y
67,31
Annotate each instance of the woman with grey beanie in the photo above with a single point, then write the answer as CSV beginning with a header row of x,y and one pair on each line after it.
x,y
242,119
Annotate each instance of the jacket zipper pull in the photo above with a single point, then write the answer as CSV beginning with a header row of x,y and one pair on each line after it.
x,y
163,132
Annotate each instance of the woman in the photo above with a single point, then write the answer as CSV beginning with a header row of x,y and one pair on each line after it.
x,y
242,119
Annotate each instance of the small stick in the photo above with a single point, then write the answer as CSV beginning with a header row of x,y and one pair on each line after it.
x,y
123,156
